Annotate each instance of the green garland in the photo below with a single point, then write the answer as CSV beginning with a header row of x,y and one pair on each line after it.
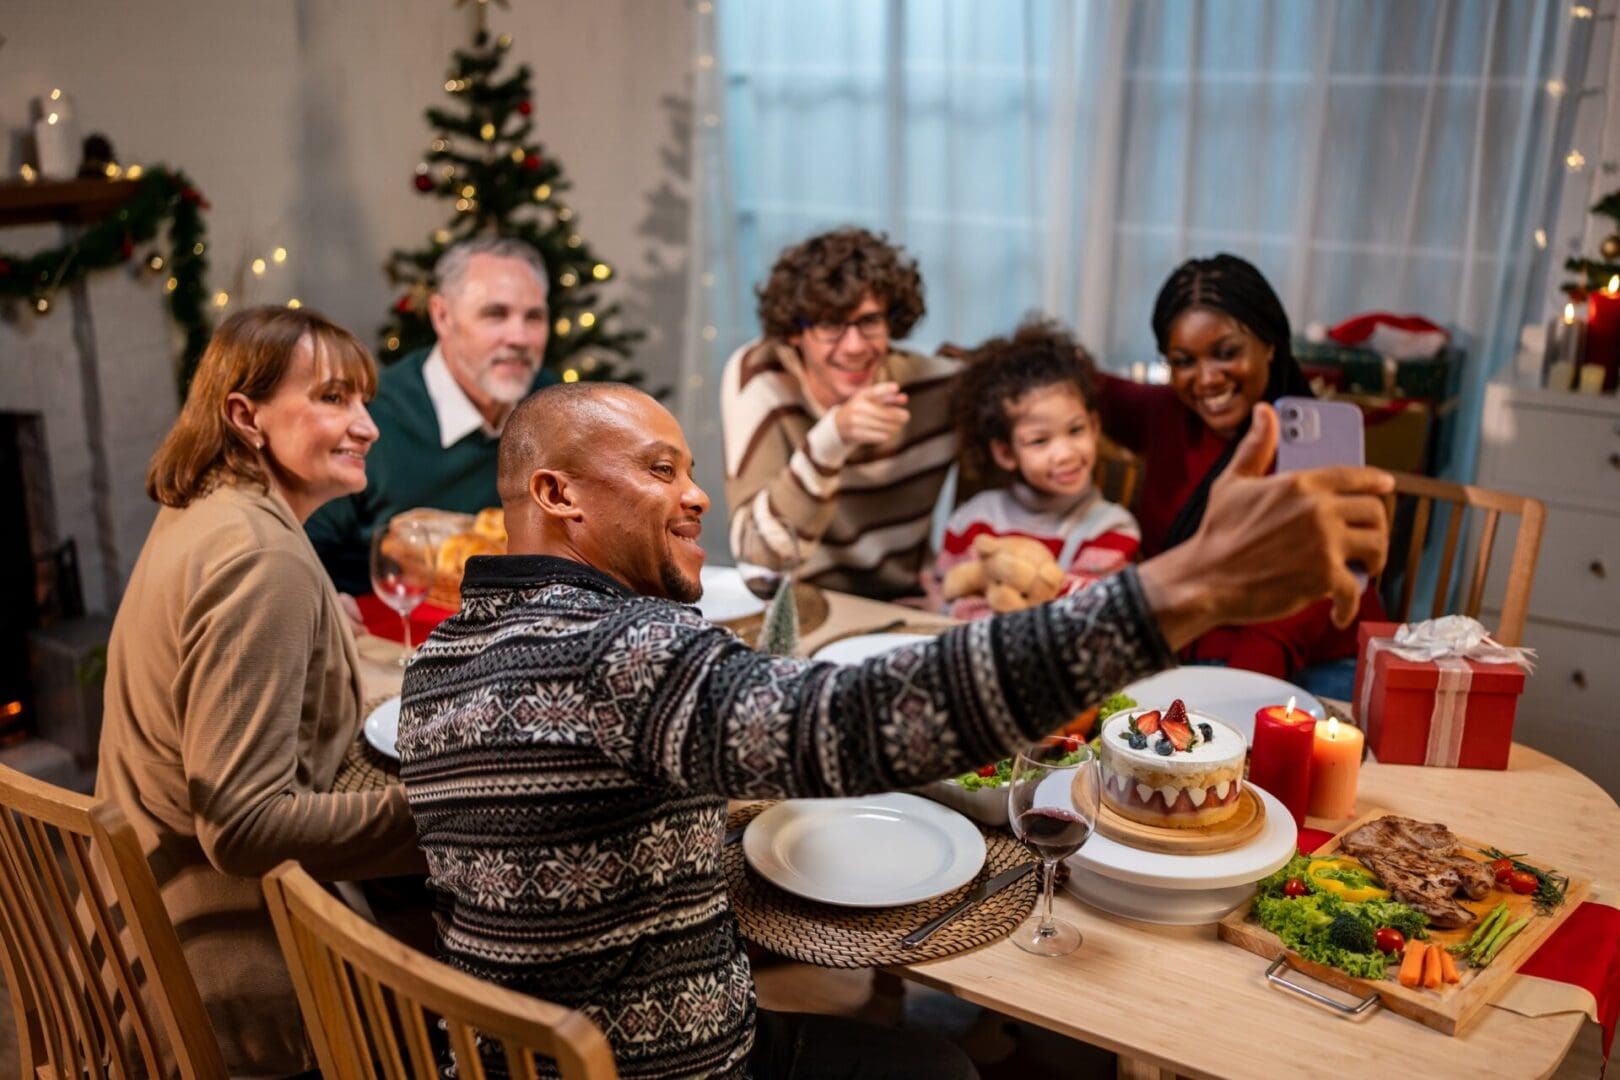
x,y
161,195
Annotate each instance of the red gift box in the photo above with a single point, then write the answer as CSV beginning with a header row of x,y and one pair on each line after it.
x,y
1451,712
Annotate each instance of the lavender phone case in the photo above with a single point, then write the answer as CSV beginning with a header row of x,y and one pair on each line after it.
x,y
1317,433
1314,433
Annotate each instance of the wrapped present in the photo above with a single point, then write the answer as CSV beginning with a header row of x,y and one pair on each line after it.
x,y
1359,370
1440,692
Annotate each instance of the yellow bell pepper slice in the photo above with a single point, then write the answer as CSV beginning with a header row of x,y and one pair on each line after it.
x,y
1325,874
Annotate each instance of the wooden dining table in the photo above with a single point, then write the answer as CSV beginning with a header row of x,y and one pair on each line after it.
x,y
1177,1001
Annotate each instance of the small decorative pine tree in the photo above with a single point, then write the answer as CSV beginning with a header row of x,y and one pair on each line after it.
x,y
779,632
1597,273
484,161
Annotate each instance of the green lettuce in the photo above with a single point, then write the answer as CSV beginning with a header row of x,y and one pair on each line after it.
x,y
1303,922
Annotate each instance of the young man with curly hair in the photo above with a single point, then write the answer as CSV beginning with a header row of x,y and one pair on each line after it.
x,y
836,442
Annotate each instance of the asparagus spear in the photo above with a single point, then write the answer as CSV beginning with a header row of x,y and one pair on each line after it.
x,y
1486,925
1502,939
1487,942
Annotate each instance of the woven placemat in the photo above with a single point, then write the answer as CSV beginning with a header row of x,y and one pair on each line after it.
x,y
364,767
813,611
840,937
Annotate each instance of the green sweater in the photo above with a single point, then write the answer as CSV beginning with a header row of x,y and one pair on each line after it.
x,y
406,469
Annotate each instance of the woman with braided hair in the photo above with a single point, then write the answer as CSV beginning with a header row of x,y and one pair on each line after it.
x,y
1225,335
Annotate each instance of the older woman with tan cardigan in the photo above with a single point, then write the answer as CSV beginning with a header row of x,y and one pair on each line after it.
x,y
232,684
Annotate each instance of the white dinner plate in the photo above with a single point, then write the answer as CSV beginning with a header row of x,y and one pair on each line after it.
x,y
725,598
852,650
1229,694
382,728
878,851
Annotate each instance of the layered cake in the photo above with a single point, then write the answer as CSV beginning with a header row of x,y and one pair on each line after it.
x,y
1174,768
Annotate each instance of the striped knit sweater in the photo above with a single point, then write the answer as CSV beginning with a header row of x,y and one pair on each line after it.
x,y
568,747
862,512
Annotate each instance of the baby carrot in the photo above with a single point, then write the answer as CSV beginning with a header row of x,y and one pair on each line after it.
x,y
1431,968
1411,973
1448,967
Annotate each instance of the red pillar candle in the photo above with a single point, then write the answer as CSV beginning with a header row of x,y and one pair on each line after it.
x,y
1603,332
1280,760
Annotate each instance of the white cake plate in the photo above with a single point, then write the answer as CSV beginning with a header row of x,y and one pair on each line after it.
x,y
1181,890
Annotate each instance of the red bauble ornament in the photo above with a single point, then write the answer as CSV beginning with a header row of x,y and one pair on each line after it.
x,y
524,108
403,305
128,247
532,163
423,182
194,197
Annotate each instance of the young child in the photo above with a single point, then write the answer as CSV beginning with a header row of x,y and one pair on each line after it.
x,y
1024,415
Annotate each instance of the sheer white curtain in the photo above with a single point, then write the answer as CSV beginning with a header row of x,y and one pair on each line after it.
x,y
1065,155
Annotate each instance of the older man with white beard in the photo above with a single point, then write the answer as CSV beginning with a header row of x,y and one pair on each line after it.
x,y
440,412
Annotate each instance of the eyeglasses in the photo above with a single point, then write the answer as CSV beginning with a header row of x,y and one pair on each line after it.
x,y
871,327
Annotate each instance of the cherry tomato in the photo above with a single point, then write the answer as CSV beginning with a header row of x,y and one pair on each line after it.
x,y
1071,743
987,770
1389,940
1524,883
1294,887
1504,875
1500,865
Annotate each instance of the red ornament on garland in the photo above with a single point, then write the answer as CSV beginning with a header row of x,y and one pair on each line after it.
x,y
403,305
128,248
194,197
524,108
423,182
532,163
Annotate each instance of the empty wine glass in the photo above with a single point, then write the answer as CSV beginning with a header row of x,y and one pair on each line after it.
x,y
1052,803
402,558
766,556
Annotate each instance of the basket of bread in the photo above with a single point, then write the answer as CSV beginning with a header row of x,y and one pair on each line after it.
x,y
454,539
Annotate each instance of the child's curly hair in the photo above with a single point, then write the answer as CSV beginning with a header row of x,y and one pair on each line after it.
x,y
824,278
1000,371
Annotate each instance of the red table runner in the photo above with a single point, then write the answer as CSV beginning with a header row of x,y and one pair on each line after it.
x,y
384,622
1584,951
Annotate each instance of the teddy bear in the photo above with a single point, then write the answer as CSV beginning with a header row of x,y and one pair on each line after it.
x,y
1010,572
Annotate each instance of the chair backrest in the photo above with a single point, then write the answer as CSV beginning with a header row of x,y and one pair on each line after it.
x,y
364,994
1116,473
72,876
1421,493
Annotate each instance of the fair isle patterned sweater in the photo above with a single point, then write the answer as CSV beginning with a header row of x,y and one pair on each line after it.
x,y
568,747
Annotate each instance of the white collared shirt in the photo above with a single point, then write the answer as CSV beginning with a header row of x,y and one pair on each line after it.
x,y
458,416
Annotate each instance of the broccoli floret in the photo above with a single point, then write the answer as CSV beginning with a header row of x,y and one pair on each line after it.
x,y
1348,932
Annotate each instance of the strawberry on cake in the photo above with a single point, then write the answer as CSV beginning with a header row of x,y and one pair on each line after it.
x,y
1177,769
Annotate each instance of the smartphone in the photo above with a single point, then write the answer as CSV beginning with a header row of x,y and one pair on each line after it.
x,y
1312,434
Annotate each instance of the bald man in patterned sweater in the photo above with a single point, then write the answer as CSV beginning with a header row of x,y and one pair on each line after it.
x,y
836,443
569,738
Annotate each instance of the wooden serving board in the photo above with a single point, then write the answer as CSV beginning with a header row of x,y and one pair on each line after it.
x,y
1244,825
1450,1008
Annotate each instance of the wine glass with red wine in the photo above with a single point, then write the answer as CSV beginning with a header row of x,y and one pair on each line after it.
x,y
1052,803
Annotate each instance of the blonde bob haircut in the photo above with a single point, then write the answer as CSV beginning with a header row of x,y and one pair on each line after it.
x,y
249,354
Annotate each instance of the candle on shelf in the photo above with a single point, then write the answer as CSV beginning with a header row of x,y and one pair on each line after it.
x,y
1566,347
1335,767
1603,332
1280,759
1591,380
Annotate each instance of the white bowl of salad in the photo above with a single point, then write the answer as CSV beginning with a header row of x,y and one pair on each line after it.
x,y
982,793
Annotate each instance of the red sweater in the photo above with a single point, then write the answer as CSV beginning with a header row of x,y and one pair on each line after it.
x,y
1177,449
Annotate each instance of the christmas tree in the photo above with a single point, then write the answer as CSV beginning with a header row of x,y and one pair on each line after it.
x,y
485,162
1597,273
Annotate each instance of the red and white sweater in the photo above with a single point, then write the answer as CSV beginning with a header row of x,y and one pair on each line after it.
x,y
1102,536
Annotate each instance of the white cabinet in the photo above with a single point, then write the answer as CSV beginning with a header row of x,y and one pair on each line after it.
x,y
1565,450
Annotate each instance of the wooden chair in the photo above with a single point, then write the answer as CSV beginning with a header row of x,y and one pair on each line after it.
x,y
1117,472
363,992
1421,493
72,979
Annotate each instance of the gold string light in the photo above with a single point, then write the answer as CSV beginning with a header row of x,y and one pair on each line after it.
x,y
563,327
171,285
542,192
294,303
487,132
570,375
221,298
567,279
586,320
258,268
601,271
133,172
26,171
278,256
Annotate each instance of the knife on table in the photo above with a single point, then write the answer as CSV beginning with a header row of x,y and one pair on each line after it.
x,y
979,893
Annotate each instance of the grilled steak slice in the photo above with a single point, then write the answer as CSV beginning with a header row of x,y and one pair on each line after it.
x,y
1426,884
1477,878
1392,834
